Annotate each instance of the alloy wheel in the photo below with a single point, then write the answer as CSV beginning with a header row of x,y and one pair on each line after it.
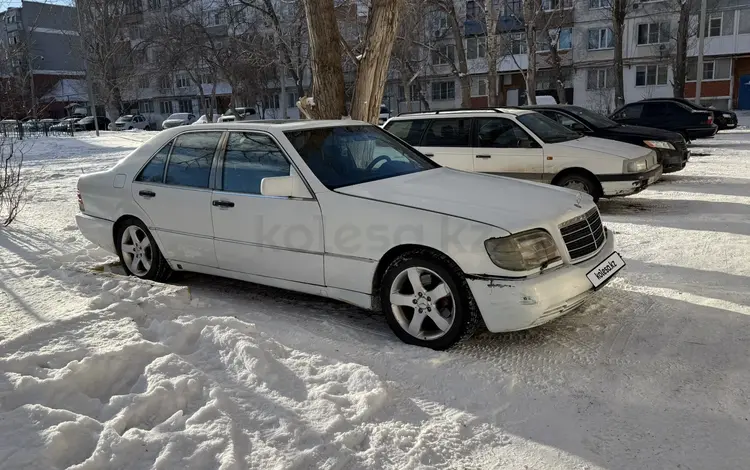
x,y
422,303
137,252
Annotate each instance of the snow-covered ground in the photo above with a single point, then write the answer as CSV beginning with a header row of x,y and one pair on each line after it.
x,y
98,370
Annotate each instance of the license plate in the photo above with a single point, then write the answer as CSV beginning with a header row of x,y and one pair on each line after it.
x,y
605,270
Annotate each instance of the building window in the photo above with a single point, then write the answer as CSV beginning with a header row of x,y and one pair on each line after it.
x,y
473,11
154,4
220,18
476,48
518,44
185,106
562,37
713,25
719,69
653,33
601,38
479,87
551,5
441,20
146,107
443,54
443,91
133,6
183,81
291,100
413,89
271,102
144,82
165,107
646,75
166,82
594,4
744,27
513,7
599,79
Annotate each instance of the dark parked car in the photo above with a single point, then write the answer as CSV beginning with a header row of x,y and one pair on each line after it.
x,y
87,123
670,147
723,119
65,125
668,115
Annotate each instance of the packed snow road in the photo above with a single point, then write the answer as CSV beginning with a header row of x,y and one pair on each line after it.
x,y
98,370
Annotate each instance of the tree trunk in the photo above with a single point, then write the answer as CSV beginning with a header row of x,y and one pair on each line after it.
x,y
329,92
557,74
619,10
530,10
463,68
372,71
492,52
680,60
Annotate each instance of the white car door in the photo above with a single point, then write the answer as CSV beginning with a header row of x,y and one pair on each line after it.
x,y
173,190
446,140
280,238
502,147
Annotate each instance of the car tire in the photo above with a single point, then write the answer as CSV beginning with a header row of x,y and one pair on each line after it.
x,y
147,128
139,253
580,182
443,321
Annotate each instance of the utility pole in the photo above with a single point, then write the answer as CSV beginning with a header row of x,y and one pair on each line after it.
x,y
89,82
701,40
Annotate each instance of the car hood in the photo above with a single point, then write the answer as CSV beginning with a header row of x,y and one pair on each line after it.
x,y
510,204
605,146
646,133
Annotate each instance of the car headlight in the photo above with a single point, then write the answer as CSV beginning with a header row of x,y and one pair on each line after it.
x,y
658,144
636,166
524,251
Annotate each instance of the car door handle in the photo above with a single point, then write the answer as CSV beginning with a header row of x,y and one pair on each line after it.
x,y
430,155
146,193
484,156
223,204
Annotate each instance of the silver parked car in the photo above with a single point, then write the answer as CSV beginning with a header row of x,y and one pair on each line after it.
x,y
178,119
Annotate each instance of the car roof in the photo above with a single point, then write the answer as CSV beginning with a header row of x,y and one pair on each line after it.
x,y
282,125
462,111
549,106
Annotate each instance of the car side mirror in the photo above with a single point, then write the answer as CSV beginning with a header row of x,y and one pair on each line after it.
x,y
285,186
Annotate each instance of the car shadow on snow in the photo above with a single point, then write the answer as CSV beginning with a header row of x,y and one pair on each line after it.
x,y
727,217
703,185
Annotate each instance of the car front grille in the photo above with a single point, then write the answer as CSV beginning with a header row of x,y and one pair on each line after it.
x,y
584,234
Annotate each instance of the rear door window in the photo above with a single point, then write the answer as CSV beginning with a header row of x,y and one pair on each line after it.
x,y
191,159
448,133
500,133
408,131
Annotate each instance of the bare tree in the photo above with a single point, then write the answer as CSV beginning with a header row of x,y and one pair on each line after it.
x,y
111,57
618,11
13,180
326,49
409,59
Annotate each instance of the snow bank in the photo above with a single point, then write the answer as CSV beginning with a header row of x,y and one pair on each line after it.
x,y
197,393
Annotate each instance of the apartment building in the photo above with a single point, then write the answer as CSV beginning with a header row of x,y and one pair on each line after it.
x,y
41,66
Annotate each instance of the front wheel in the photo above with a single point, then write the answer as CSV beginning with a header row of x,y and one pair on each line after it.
x,y
428,303
147,128
580,182
139,253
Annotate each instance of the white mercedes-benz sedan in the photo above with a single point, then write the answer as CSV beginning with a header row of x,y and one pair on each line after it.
x,y
345,210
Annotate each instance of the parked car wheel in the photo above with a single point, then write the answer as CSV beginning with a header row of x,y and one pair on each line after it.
x,y
427,302
139,253
147,128
580,182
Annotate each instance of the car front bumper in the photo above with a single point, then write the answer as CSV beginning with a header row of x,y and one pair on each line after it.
x,y
518,304
673,160
97,231
628,183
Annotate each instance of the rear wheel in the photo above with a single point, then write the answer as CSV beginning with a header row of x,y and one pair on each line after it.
x,y
139,253
147,128
580,182
428,303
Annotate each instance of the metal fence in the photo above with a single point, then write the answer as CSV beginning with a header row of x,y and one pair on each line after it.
x,y
26,130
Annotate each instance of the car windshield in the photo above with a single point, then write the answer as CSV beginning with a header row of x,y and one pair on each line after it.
x,y
178,116
349,155
592,118
547,129
127,118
